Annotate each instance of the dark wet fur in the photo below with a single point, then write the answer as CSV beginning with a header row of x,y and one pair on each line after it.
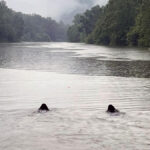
x,y
43,108
112,109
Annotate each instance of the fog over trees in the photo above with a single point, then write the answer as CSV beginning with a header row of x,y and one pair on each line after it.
x,y
59,9
16,26
119,23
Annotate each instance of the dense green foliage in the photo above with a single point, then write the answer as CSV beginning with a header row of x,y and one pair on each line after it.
x,y
119,16
140,33
119,23
11,24
37,28
84,24
21,27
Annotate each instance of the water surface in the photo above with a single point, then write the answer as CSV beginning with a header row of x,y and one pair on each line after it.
x,y
77,81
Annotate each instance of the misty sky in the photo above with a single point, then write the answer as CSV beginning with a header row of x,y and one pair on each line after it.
x,y
52,8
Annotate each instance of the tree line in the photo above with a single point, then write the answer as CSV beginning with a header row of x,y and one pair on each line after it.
x,y
16,27
119,23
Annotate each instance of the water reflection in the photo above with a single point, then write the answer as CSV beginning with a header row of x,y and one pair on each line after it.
x,y
76,59
65,79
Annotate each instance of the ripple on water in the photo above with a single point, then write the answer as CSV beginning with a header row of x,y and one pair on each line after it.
x,y
78,99
66,128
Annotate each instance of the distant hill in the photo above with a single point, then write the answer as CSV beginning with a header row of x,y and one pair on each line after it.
x,y
16,27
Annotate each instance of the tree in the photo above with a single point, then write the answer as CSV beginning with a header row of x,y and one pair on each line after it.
x,y
118,18
119,23
140,33
84,24
22,27
11,24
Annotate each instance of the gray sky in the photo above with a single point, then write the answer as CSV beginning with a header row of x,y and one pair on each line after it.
x,y
52,8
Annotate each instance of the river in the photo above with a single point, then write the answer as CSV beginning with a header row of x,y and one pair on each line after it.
x,y
77,81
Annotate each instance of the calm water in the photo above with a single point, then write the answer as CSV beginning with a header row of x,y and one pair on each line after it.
x,y
77,81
